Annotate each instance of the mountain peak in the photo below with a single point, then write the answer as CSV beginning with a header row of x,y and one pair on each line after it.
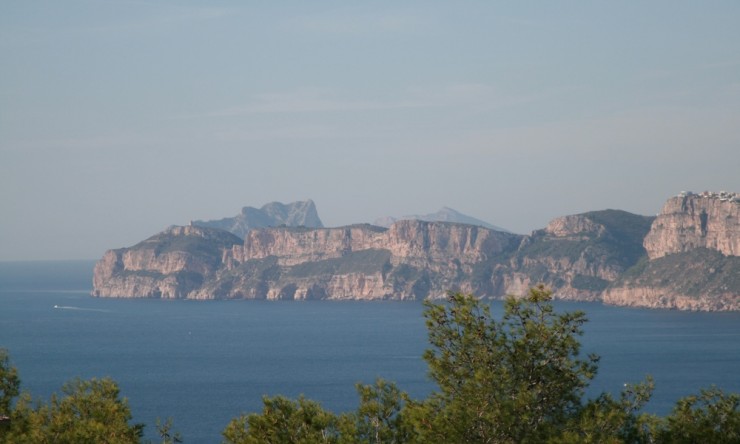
x,y
445,214
273,214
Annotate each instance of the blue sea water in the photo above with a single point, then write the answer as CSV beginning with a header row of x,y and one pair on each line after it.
x,y
203,363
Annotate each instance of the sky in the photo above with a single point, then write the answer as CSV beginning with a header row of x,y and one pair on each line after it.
x,y
120,118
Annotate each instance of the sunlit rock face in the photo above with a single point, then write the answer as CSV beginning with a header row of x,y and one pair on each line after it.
x,y
686,259
170,264
689,221
694,257
412,259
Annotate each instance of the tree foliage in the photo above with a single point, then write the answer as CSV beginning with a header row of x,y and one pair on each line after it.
x,y
9,383
164,430
517,380
610,421
377,420
712,416
284,421
379,417
88,411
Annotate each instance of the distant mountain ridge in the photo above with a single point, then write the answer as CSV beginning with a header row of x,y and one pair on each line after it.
x,y
686,258
445,214
273,214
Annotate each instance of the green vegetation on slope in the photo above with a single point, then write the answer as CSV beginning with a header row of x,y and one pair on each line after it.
x,y
627,232
620,243
692,273
210,246
363,261
591,283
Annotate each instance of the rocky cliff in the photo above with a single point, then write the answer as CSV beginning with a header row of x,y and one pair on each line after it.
x,y
411,260
697,280
689,221
685,258
167,265
576,255
693,260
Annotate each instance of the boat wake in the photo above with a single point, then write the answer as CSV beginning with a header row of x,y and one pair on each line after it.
x,y
68,307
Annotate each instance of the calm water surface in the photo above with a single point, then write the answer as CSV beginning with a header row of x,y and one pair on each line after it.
x,y
203,363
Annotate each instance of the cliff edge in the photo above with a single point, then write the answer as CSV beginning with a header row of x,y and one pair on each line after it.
x,y
411,260
685,258
693,257
576,255
689,221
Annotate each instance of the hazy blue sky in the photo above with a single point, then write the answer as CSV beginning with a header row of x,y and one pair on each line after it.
x,y
119,118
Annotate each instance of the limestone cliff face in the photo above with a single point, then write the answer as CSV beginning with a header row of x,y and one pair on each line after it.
x,y
578,226
407,240
171,264
297,245
578,256
707,220
658,297
412,241
694,257
686,258
410,260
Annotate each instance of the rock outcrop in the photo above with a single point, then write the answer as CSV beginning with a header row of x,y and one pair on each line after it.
x,y
577,256
693,257
169,265
686,258
697,280
411,260
273,214
689,221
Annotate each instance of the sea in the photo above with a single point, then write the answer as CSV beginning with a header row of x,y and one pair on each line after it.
x,y
203,363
